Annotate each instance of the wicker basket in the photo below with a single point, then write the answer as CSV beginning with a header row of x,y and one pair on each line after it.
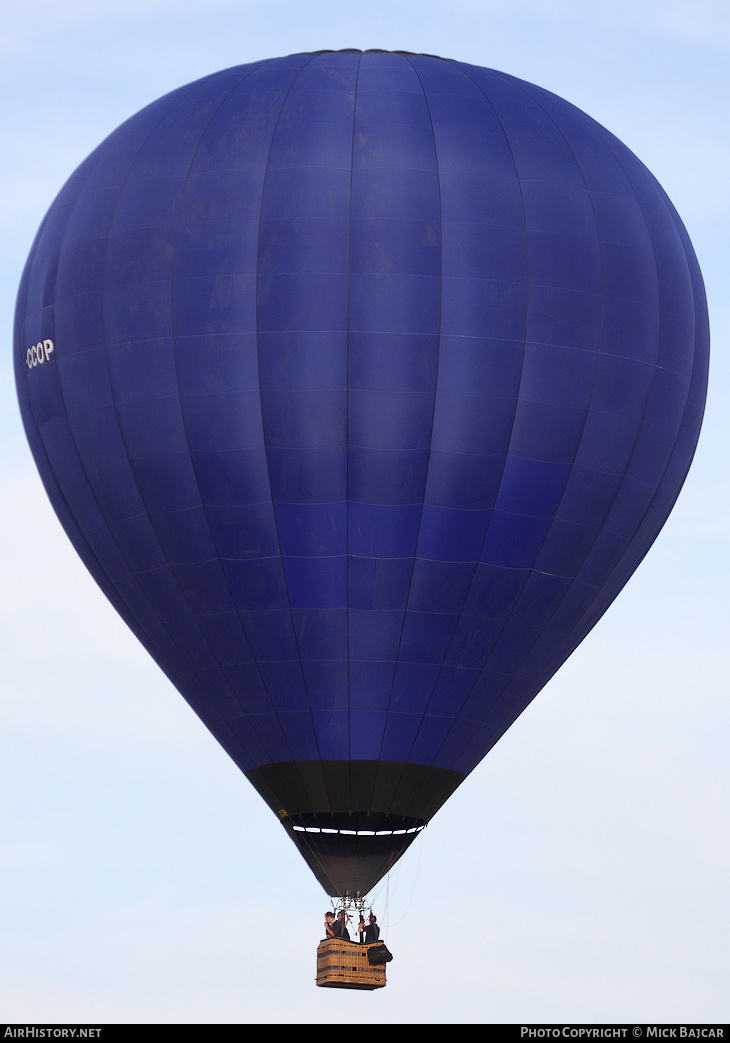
x,y
344,965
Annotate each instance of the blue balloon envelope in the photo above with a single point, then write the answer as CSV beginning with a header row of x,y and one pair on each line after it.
x,y
361,383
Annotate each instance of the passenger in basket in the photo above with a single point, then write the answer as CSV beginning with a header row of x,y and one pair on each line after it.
x,y
372,931
341,927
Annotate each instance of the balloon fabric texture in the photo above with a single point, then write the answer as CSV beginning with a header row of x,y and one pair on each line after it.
x,y
361,383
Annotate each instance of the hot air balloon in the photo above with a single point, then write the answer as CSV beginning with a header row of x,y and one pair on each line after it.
x,y
361,382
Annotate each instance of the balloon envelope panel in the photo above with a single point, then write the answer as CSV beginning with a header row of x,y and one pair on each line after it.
x,y
372,378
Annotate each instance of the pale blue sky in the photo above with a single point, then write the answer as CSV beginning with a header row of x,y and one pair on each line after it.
x,y
580,874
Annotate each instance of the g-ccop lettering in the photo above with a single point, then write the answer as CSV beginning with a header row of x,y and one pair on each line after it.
x,y
38,354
